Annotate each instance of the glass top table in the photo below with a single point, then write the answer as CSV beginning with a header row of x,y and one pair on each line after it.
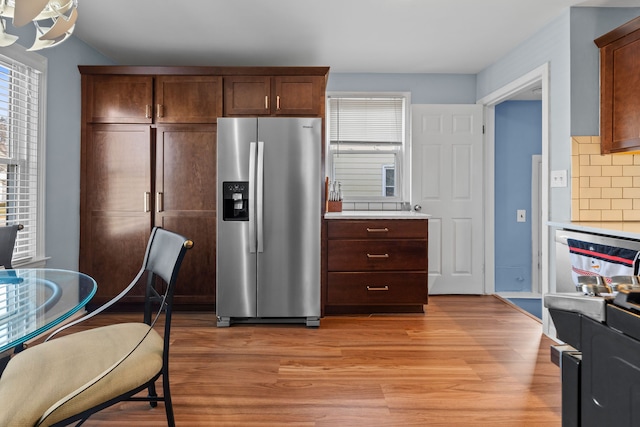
x,y
33,301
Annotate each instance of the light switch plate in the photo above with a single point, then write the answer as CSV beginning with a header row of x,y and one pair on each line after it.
x,y
559,178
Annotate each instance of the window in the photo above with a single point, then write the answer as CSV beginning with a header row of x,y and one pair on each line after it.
x,y
367,138
389,180
22,77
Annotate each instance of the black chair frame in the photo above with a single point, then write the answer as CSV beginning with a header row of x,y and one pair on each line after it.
x,y
8,236
155,268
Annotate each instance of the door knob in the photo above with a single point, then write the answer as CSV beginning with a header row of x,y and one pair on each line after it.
x,y
417,208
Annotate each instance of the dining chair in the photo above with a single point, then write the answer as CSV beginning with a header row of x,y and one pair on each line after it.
x,y
67,379
8,236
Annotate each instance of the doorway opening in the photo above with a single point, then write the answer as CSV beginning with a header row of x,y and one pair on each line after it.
x,y
538,78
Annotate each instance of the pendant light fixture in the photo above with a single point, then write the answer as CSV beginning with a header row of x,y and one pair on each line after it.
x,y
54,20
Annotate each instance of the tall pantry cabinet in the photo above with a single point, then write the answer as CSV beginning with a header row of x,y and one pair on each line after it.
x,y
148,158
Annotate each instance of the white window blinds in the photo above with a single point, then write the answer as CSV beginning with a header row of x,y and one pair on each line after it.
x,y
367,133
20,89
366,120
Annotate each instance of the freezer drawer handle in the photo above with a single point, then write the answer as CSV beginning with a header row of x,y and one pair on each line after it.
x,y
377,230
377,255
378,288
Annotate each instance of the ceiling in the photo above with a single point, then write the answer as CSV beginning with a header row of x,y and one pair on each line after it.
x,y
376,36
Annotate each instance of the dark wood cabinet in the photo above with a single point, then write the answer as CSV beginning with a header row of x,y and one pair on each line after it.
x,y
137,176
115,197
185,202
620,88
118,99
247,95
376,265
148,157
150,173
188,99
130,99
273,96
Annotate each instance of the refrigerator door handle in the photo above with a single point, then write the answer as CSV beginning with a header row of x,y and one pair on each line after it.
x,y
260,197
252,193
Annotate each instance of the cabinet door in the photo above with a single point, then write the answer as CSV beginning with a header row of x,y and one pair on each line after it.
x,y
620,104
186,203
115,206
119,99
188,99
247,95
298,95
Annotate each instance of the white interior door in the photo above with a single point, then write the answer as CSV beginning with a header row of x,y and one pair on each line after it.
x,y
447,182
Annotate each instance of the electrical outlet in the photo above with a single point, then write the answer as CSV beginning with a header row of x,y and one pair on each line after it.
x,y
559,178
521,215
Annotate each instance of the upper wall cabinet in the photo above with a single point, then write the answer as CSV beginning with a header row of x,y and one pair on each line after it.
x,y
130,99
273,95
188,99
118,99
620,88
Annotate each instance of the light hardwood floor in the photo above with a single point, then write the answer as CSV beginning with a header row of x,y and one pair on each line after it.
x,y
468,361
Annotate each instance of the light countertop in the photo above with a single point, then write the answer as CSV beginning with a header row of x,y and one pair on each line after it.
x,y
376,215
628,229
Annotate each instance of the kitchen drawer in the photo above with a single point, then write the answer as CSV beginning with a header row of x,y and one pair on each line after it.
x,y
375,255
378,229
381,288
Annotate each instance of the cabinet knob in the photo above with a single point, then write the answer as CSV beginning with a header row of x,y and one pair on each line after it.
x,y
147,112
370,256
278,102
159,111
266,102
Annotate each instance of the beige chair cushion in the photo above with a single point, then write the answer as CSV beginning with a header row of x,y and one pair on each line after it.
x,y
52,377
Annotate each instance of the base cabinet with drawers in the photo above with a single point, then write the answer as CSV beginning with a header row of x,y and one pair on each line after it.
x,y
376,265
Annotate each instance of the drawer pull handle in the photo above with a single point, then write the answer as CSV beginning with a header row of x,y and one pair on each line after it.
x,y
377,230
378,288
377,255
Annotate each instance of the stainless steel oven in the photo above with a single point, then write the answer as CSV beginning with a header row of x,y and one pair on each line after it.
x,y
600,360
564,279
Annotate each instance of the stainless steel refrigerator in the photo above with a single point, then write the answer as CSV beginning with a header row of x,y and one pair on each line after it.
x,y
269,216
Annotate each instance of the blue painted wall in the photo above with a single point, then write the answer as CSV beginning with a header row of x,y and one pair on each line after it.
x,y
587,24
62,152
518,137
550,45
424,88
566,44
